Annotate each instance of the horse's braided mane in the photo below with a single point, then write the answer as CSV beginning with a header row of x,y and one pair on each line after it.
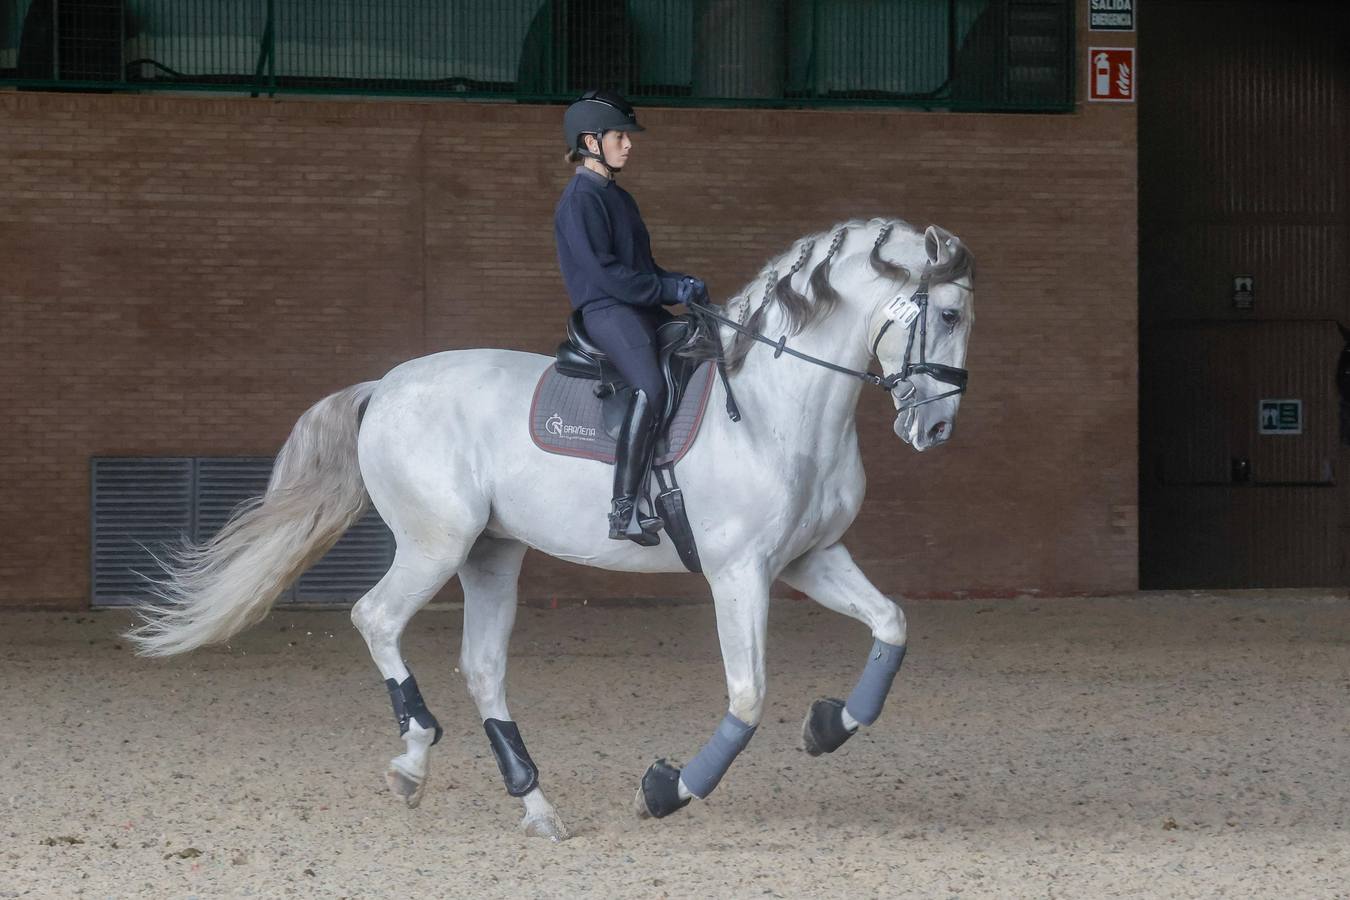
x,y
797,310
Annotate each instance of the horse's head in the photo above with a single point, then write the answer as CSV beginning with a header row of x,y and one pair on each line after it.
x,y
921,334
918,335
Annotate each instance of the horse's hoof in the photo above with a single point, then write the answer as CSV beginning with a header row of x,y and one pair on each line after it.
x,y
659,795
823,728
405,786
640,806
547,825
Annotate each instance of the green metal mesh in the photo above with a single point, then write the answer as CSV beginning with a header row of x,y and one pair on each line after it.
x,y
958,54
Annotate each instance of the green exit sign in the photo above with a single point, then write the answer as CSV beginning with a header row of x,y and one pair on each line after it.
x,y
1281,417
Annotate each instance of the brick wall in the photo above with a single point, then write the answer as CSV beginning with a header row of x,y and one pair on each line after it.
x,y
184,276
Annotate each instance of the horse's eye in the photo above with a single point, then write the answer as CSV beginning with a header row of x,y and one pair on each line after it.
x,y
951,317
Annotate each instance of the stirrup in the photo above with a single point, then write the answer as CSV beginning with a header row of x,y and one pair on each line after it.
x,y
626,522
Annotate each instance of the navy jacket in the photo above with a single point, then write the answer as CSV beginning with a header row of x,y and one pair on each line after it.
x,y
604,250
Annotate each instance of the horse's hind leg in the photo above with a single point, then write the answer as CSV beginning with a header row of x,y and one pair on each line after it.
x,y
380,616
489,578
831,578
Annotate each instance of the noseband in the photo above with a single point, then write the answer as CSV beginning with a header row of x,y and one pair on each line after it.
x,y
914,311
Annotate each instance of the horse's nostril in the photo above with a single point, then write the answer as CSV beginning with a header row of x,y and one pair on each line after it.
x,y
937,432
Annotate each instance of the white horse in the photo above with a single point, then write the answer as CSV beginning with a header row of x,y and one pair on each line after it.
x,y
443,452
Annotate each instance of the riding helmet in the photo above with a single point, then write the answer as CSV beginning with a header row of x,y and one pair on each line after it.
x,y
596,112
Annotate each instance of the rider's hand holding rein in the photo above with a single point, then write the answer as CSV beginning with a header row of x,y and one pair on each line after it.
x,y
689,289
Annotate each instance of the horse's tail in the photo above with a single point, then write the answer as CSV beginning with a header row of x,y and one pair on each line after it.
x,y
217,589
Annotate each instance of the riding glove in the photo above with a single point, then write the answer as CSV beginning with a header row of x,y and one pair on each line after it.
x,y
682,288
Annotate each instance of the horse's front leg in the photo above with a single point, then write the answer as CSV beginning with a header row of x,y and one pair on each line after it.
x,y
831,578
742,604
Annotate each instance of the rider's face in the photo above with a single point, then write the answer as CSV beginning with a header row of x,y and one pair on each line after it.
x,y
617,145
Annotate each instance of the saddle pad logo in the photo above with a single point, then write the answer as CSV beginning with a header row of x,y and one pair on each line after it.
x,y
556,426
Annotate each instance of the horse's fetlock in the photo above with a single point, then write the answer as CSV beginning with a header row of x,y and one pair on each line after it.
x,y
410,709
420,735
747,704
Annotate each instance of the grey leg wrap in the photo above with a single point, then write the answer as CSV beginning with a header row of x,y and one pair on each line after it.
x,y
518,770
712,762
865,703
409,706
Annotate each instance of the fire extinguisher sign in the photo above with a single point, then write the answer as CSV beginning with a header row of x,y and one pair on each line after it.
x,y
1111,74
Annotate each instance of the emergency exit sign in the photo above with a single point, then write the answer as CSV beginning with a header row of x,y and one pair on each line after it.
x,y
1111,15
1281,417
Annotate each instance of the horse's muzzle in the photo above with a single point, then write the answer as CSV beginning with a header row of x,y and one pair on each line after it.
x,y
907,428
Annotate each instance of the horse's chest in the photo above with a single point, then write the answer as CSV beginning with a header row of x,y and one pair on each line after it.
x,y
839,497
827,499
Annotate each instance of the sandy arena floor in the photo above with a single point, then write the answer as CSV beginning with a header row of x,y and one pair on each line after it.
x,y
1154,746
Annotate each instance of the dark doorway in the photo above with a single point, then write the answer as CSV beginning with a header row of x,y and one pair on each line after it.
x,y
1244,259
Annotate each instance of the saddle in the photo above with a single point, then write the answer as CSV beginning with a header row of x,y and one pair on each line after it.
x,y
579,357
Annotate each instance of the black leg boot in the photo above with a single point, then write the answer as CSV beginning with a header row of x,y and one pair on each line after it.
x,y
633,459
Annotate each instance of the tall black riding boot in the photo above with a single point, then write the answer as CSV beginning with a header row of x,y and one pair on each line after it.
x,y
633,459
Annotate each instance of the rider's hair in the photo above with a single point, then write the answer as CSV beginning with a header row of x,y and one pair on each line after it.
x,y
572,156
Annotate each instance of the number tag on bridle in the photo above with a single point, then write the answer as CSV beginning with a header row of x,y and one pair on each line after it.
x,y
902,310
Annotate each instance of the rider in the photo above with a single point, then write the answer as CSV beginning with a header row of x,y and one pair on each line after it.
x,y
605,254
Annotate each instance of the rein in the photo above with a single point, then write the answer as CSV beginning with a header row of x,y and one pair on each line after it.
x,y
917,324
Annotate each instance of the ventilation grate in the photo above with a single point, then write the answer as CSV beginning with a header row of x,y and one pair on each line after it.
x,y
352,567
223,486
142,507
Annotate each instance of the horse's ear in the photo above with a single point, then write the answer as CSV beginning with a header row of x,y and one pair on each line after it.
x,y
940,245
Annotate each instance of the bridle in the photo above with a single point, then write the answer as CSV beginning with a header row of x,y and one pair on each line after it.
x,y
912,312
916,311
